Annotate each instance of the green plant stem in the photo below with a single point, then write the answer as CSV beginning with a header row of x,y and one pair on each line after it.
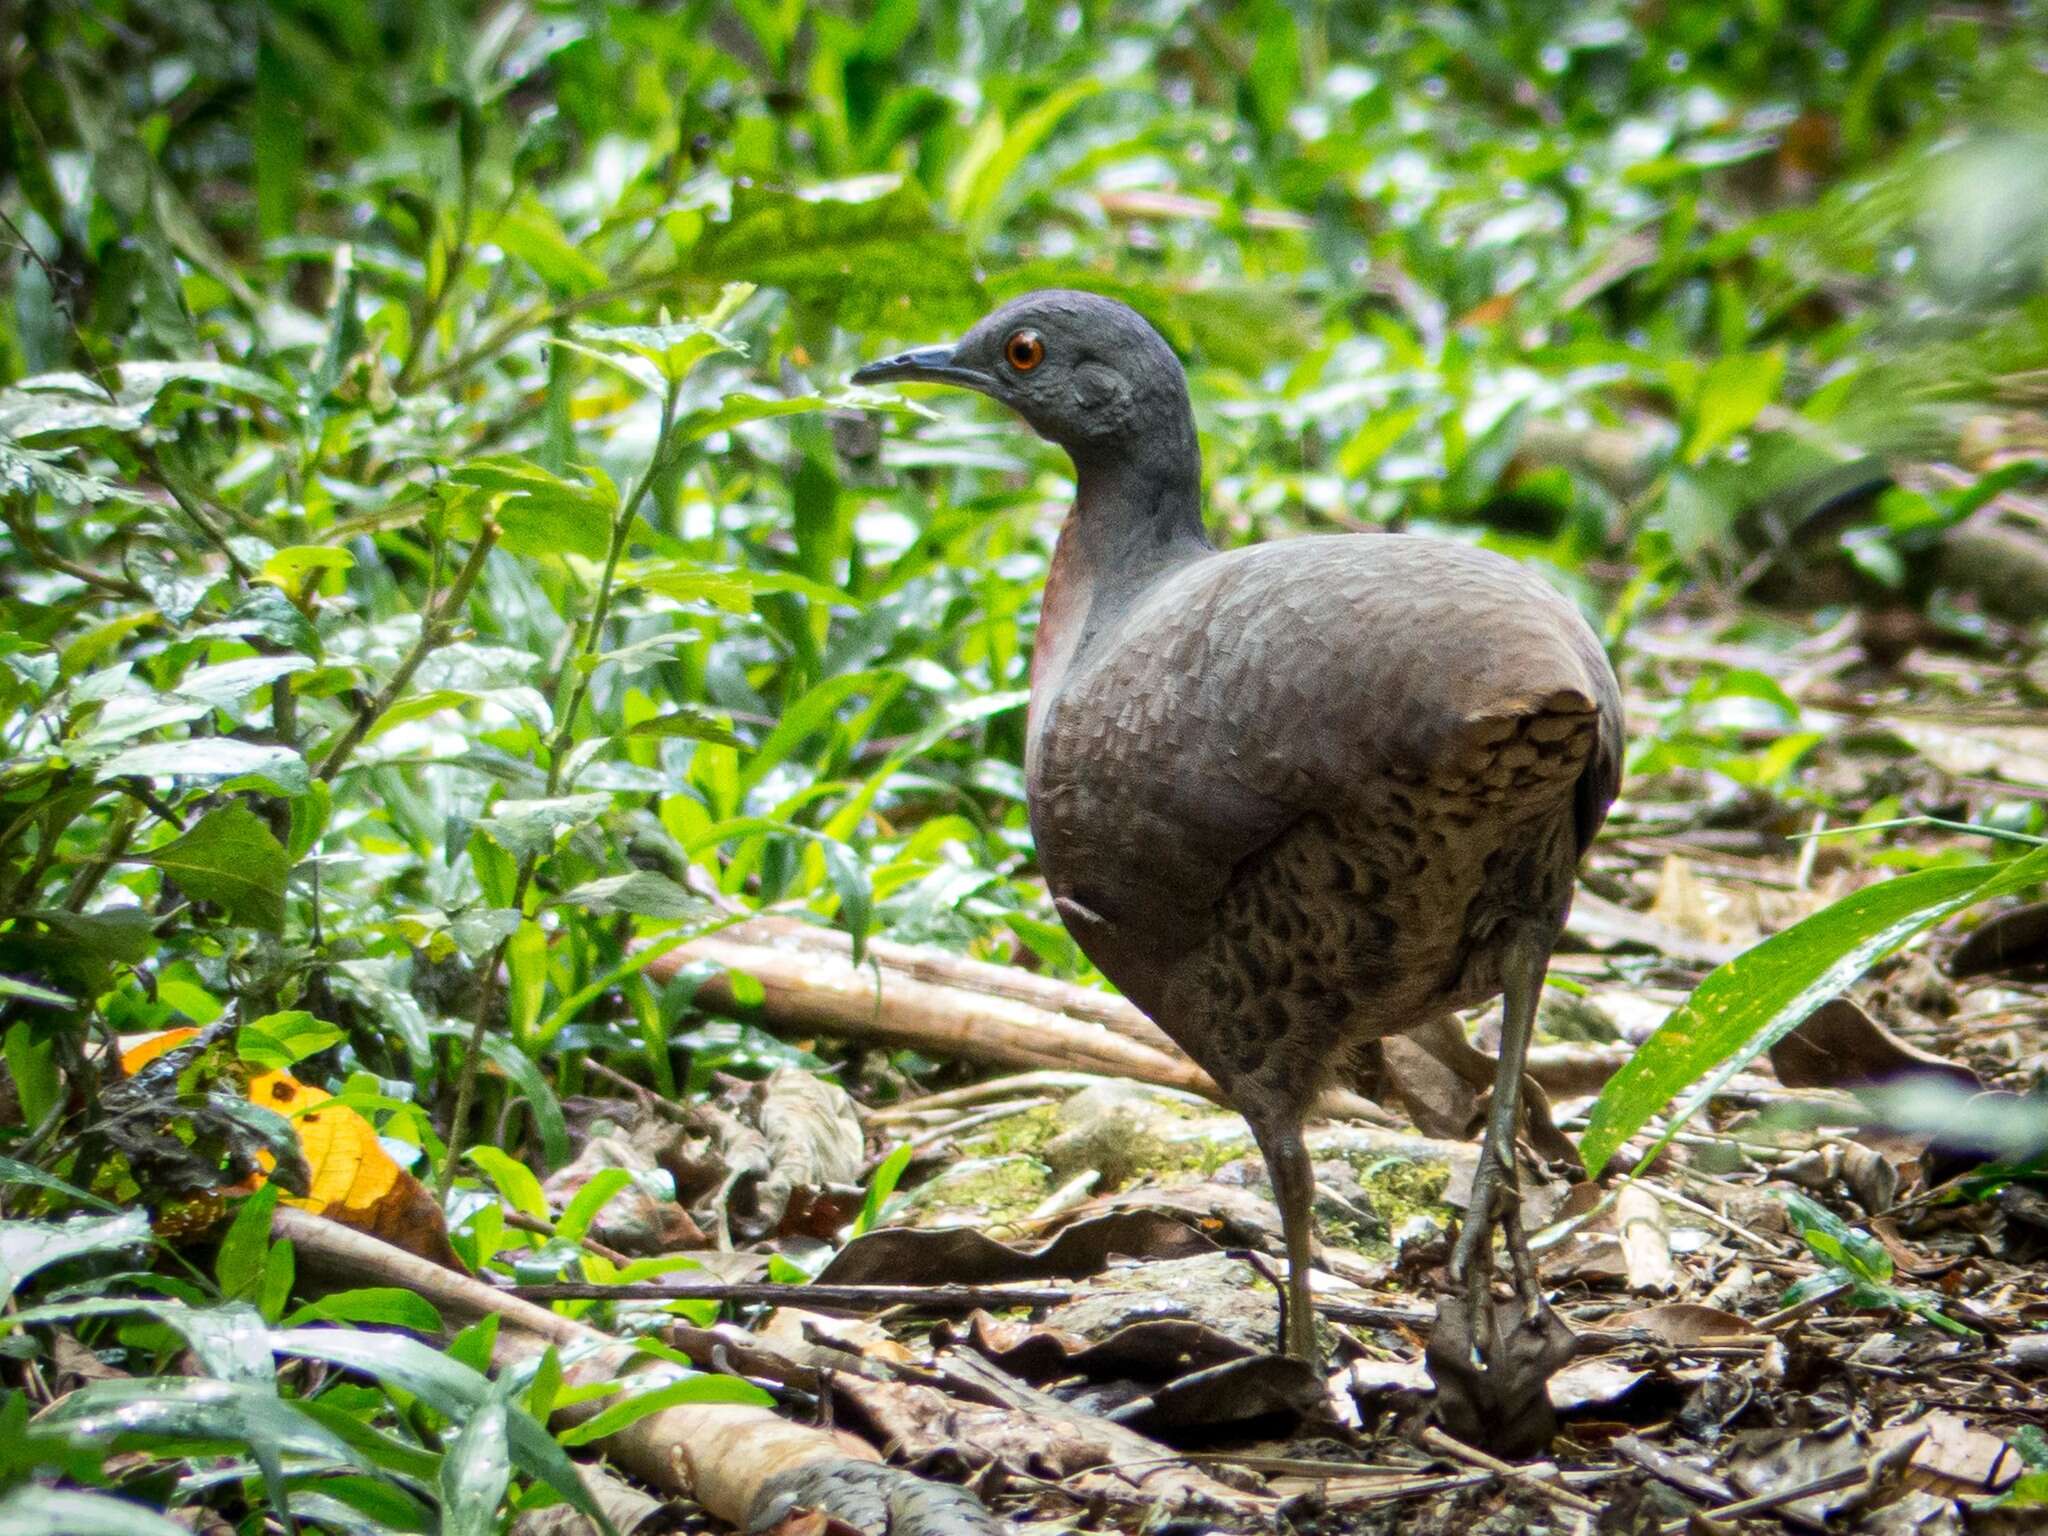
x,y
578,688
1938,823
88,879
436,626
21,525
189,505
430,312
540,315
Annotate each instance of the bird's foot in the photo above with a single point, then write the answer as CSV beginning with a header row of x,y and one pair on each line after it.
x,y
1492,1361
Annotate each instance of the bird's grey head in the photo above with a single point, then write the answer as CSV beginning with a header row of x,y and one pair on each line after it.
x,y
1087,372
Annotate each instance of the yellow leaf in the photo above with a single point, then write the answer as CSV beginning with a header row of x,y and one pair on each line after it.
x,y
354,1180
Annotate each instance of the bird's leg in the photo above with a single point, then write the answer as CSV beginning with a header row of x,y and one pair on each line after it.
x,y
1287,1164
1491,1370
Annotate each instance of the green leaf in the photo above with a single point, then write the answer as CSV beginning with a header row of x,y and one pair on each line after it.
x,y
730,589
279,1041
13,1171
687,720
447,1386
526,1075
32,1059
1732,393
229,1342
382,1306
526,977
264,612
29,992
195,1417
1812,1286
33,1510
848,873
881,1187
542,514
536,828
982,187
514,1180
293,568
1762,995
476,1472
673,349
587,1202
701,1387
643,893
868,254
27,1246
28,473
212,760
230,682
239,1265
1274,80
531,234
737,409
231,858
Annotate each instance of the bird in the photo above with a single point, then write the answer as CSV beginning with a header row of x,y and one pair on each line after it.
x,y
1296,797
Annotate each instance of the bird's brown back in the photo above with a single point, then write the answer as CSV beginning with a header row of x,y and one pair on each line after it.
x,y
1289,799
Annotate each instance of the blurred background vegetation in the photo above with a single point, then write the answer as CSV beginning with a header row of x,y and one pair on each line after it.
x,y
440,546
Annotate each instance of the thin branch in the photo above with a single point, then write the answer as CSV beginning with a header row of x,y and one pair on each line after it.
x,y
558,756
436,625
542,314
23,527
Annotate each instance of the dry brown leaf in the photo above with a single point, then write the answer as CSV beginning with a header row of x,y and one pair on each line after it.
x,y
1841,1046
2017,754
1684,1323
1955,1459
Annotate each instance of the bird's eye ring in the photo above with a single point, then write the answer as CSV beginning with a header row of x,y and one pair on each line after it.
x,y
1024,351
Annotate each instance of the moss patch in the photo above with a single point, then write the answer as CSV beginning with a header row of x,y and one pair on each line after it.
x,y
1000,1188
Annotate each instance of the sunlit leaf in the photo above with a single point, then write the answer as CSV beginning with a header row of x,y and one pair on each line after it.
x,y
1765,993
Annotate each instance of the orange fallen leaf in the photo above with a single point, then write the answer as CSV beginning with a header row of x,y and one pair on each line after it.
x,y
354,1180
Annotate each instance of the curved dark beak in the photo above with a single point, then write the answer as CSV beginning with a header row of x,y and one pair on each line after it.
x,y
930,365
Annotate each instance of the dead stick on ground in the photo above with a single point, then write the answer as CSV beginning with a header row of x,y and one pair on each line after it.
x,y
942,1004
1521,1477
1764,1503
746,1465
822,992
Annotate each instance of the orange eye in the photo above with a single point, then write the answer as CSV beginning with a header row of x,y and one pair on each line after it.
x,y
1024,350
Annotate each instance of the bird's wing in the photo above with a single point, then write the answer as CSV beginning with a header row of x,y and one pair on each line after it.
x,y
1259,686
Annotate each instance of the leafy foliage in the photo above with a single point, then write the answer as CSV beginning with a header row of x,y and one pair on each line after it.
x,y
441,554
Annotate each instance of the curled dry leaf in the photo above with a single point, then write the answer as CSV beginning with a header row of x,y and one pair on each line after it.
x,y
1955,1459
1684,1323
1262,1393
928,1428
2009,943
1155,1350
1841,1046
1645,1241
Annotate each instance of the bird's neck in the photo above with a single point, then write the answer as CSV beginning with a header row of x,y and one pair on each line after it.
x,y
1137,517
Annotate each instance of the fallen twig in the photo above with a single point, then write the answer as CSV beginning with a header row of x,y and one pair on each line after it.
x,y
943,1004
746,1465
857,1298
1521,1477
